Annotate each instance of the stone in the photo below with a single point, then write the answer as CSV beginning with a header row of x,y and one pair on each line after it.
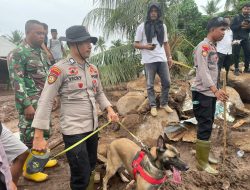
x,y
130,103
151,128
131,120
241,84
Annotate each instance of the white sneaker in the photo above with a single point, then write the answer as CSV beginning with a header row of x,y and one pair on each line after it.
x,y
153,111
167,109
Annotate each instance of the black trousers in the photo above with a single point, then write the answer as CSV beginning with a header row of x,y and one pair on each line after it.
x,y
82,159
236,53
224,61
204,109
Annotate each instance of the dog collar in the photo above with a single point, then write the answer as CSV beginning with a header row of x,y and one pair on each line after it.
x,y
137,168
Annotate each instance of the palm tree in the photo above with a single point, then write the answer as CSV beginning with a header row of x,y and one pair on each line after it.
x,y
16,37
212,7
231,3
121,17
116,43
101,47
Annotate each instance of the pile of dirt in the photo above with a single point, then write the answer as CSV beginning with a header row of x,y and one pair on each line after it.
x,y
234,173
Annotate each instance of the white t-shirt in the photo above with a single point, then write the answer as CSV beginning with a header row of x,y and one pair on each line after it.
x,y
151,56
225,45
55,47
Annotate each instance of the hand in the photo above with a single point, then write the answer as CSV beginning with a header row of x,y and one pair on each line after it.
x,y
112,116
170,62
50,56
149,46
40,144
29,112
221,95
13,186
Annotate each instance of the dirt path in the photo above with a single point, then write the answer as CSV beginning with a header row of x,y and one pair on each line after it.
x,y
235,175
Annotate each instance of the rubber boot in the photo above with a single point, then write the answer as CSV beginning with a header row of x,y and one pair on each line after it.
x,y
36,177
91,181
51,163
212,159
202,153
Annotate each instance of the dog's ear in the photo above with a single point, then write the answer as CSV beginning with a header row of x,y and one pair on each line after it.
x,y
161,143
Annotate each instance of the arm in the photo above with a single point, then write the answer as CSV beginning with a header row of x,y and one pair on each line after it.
x,y
41,120
16,66
49,54
138,40
168,53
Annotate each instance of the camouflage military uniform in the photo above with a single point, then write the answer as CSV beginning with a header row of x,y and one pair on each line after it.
x,y
28,69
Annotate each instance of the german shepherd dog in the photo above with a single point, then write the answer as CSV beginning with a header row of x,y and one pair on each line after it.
x,y
122,152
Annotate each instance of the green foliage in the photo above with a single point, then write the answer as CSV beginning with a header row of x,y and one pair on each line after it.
x,y
16,37
120,64
211,7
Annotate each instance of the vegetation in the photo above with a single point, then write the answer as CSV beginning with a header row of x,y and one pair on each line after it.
x,y
186,28
16,37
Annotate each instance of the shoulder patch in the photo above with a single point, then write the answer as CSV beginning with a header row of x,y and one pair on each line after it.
x,y
53,74
205,49
93,70
55,71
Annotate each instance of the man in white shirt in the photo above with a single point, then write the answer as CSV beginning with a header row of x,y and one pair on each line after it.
x,y
151,38
56,47
224,50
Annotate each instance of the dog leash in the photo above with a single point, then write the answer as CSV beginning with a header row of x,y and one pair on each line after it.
x,y
84,139
145,147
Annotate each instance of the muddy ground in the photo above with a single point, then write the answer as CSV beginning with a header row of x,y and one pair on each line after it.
x,y
234,174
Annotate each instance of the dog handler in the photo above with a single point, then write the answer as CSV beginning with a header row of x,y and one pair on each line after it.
x,y
205,91
79,87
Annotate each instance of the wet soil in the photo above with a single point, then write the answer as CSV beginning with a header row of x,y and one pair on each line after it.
x,y
234,173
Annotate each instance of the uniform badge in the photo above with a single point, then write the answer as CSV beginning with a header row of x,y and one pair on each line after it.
x,y
92,70
55,71
53,74
51,79
204,53
73,71
80,85
205,49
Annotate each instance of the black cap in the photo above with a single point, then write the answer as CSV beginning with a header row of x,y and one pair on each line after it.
x,y
216,22
78,33
53,30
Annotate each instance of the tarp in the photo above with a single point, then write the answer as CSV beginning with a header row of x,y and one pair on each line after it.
x,y
5,46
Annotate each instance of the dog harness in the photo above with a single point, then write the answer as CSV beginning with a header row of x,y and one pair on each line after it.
x,y
137,168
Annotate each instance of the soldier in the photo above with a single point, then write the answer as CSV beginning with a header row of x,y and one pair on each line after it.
x,y
78,84
28,69
205,92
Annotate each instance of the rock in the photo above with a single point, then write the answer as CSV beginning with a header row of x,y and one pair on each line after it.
x,y
131,120
152,127
241,84
144,107
190,135
234,97
130,102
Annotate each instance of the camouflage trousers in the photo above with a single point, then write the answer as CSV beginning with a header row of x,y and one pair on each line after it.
x,y
27,132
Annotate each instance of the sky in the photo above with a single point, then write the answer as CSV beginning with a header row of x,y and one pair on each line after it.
x,y
59,14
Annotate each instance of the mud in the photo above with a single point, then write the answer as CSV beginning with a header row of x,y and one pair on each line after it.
x,y
234,173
